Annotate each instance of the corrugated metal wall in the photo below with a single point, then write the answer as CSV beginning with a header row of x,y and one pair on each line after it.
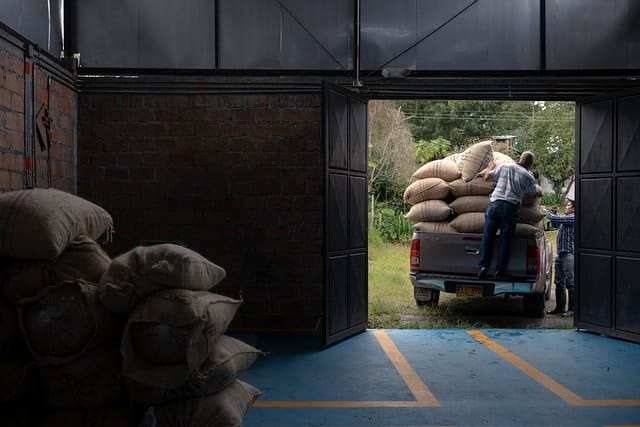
x,y
37,20
306,35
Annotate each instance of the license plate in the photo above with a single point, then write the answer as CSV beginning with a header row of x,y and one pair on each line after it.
x,y
468,291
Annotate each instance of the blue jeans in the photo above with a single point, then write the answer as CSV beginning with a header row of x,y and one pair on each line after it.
x,y
564,271
500,215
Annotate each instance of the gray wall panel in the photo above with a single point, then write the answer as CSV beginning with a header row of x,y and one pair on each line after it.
x,y
387,30
279,34
33,20
452,34
146,34
593,34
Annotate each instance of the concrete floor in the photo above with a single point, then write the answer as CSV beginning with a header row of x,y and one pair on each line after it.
x,y
446,377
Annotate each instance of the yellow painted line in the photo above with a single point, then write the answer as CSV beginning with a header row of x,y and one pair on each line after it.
x,y
418,388
546,381
339,404
423,396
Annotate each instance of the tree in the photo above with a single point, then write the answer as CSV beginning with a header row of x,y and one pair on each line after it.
x,y
546,128
392,158
462,122
550,134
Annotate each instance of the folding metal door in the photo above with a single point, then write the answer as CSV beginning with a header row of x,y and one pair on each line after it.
x,y
608,214
345,242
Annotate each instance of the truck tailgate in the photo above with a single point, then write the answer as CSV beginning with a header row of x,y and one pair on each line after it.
x,y
459,252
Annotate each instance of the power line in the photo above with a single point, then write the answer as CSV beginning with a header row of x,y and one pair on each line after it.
x,y
568,118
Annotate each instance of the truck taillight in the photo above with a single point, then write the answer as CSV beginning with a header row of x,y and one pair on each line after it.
x,y
533,258
414,258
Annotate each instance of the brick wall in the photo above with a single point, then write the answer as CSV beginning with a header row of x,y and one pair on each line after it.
x,y
60,98
11,117
56,165
238,178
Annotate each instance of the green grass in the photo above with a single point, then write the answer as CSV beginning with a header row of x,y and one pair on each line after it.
x,y
391,303
390,292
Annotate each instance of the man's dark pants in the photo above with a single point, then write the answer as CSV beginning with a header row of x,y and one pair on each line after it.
x,y
500,215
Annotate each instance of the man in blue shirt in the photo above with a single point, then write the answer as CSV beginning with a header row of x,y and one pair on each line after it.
x,y
514,181
564,273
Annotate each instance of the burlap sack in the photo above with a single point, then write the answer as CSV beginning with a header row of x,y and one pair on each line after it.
x,y
501,158
112,417
466,204
170,334
8,326
82,259
530,215
478,186
148,269
470,222
426,189
40,223
434,227
225,408
429,210
63,322
90,382
18,380
474,159
446,169
228,358
533,200
528,229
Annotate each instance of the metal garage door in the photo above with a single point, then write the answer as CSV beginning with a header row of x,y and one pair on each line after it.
x,y
608,221
344,127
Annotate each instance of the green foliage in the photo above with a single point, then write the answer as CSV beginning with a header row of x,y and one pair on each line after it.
x,y
552,199
392,226
389,191
463,122
432,149
550,134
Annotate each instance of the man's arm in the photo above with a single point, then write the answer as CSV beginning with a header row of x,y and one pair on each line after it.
x,y
487,172
560,219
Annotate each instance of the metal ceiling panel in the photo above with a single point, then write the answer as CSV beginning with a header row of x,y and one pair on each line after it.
x,y
592,34
451,35
145,34
36,20
286,34
388,29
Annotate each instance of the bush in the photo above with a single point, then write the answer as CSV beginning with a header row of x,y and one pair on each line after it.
x,y
552,199
392,226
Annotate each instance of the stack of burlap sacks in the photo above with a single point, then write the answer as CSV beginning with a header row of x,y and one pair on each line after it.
x,y
87,340
450,195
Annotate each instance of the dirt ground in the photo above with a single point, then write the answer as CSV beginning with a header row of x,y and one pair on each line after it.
x,y
494,312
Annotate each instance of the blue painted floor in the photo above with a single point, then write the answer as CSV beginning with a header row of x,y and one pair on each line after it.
x,y
446,377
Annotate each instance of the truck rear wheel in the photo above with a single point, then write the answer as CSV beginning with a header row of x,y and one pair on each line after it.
x,y
533,305
426,297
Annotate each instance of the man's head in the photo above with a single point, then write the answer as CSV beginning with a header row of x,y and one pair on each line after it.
x,y
570,207
526,159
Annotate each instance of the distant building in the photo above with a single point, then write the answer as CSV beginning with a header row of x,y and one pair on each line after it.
x,y
508,140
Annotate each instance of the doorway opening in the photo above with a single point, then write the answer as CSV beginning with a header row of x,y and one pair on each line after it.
x,y
405,135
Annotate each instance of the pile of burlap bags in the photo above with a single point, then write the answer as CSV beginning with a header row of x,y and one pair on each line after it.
x,y
450,195
90,340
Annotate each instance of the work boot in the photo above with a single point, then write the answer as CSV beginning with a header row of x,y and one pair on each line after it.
x,y
571,301
561,300
569,312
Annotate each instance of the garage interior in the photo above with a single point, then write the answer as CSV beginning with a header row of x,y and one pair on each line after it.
x,y
238,128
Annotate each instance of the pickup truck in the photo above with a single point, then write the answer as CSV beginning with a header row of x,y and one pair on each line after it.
x,y
448,262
